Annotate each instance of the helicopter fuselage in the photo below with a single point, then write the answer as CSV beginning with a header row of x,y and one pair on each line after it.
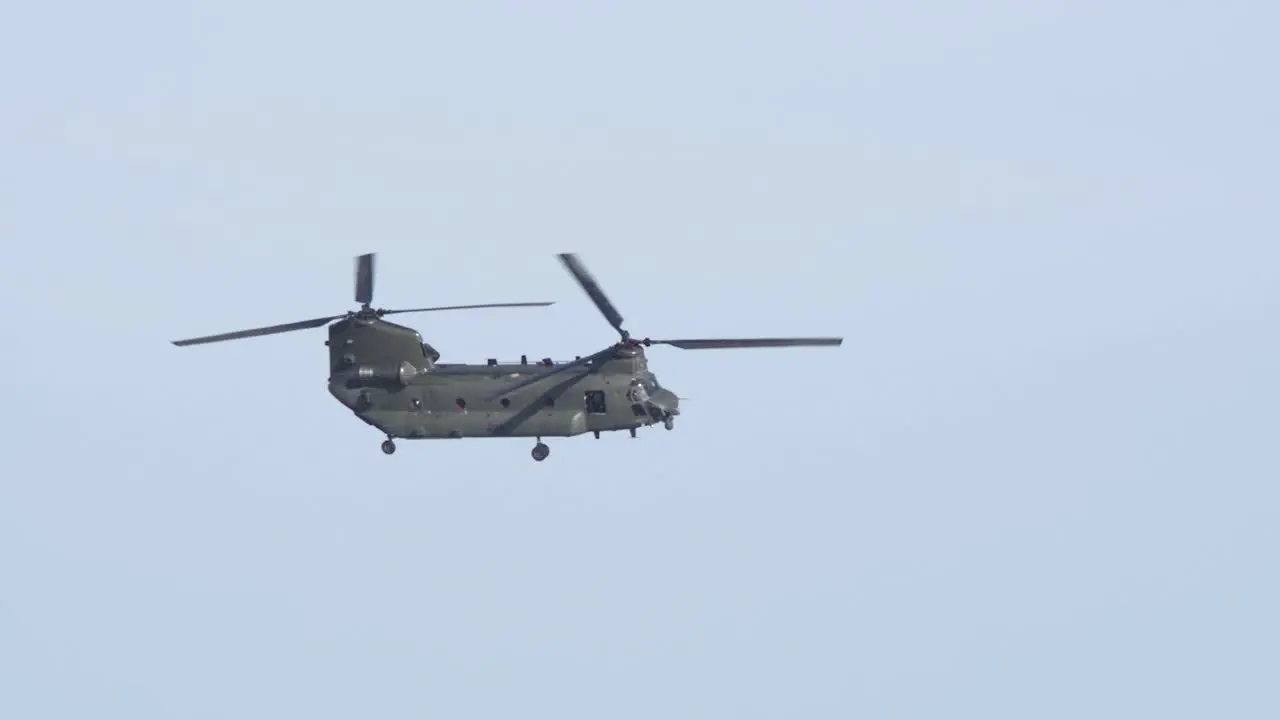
x,y
390,379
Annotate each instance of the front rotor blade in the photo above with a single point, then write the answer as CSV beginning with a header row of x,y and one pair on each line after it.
x,y
364,279
708,344
526,382
589,284
257,332
466,307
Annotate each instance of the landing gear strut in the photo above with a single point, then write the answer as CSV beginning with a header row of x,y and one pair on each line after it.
x,y
540,451
388,446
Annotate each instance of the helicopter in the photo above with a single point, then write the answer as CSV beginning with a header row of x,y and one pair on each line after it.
x,y
388,377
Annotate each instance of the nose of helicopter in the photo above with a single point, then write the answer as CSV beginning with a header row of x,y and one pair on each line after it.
x,y
667,400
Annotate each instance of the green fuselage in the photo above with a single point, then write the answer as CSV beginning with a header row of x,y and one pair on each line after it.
x,y
388,377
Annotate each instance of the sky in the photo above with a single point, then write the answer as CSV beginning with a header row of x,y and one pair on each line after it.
x,y
1039,478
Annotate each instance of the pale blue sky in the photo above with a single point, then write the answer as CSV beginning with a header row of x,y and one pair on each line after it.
x,y
1040,479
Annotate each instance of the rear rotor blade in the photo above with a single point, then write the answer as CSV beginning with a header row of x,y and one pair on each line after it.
x,y
712,344
466,307
592,288
257,332
364,279
526,382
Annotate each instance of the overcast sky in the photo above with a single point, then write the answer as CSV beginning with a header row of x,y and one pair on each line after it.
x,y
1039,480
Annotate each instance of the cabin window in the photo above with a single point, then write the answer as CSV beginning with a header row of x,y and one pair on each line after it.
x,y
595,402
506,402
462,404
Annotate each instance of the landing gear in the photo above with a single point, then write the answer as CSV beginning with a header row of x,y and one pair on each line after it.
x,y
669,423
540,452
388,446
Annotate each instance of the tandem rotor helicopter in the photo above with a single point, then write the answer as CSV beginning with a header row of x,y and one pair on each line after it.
x,y
389,378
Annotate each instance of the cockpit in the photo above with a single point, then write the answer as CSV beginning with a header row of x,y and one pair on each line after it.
x,y
643,388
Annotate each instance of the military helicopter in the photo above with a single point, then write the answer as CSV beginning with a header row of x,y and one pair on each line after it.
x,y
392,380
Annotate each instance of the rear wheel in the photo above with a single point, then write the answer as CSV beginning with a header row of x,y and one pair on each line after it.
x,y
540,452
388,446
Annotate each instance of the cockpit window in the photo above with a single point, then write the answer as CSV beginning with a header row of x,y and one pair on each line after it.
x,y
643,388
640,390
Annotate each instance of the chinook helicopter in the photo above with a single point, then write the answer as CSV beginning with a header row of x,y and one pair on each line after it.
x,y
392,380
